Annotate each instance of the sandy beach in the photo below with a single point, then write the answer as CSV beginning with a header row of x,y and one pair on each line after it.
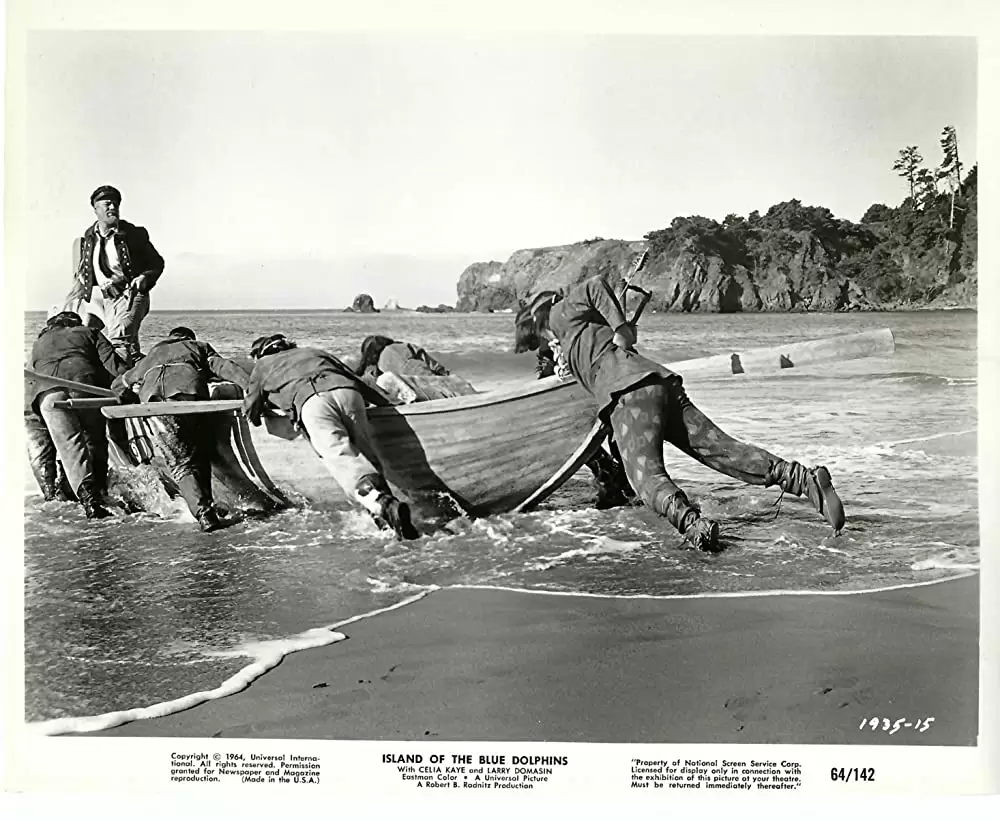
x,y
482,664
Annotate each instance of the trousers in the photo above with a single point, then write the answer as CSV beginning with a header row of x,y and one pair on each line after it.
x,y
81,442
646,417
183,444
122,319
337,426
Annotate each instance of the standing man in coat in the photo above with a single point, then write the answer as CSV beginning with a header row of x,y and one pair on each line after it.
x,y
175,370
115,266
66,349
326,400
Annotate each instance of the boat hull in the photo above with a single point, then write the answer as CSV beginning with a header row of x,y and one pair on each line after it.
x,y
484,457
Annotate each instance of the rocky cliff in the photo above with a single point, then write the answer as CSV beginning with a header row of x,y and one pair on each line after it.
x,y
793,258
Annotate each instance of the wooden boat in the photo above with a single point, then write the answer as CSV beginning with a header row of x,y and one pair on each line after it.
x,y
489,452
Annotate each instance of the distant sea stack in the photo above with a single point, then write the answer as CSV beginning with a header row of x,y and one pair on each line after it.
x,y
793,258
363,304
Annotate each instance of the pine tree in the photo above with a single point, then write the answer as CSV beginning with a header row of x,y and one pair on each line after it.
x,y
906,166
950,169
927,190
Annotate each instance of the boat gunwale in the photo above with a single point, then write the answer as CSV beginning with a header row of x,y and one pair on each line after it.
x,y
473,401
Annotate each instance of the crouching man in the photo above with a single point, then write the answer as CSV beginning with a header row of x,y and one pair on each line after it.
x,y
45,466
178,369
326,400
66,349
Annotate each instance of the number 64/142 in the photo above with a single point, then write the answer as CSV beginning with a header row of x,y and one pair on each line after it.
x,y
890,726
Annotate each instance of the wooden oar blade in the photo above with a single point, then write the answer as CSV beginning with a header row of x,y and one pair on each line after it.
x,y
172,408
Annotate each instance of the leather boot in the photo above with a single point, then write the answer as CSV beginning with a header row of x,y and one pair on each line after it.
x,y
700,533
375,496
48,485
63,493
814,483
610,482
396,515
91,503
208,520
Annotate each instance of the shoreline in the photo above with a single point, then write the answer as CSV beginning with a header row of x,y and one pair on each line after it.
x,y
811,672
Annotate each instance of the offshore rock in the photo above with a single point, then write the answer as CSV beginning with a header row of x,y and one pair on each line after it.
x,y
363,304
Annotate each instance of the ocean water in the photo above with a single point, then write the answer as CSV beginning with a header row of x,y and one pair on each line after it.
x,y
138,610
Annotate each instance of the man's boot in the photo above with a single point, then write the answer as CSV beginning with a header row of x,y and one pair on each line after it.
x,y
610,482
815,483
93,506
700,533
208,520
373,493
47,482
62,490
396,515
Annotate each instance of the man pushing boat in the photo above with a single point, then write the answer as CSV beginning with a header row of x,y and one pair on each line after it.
x,y
67,350
645,404
326,399
178,369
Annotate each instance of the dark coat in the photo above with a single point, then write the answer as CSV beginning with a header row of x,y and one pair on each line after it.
x,y
179,367
288,378
80,353
136,254
585,323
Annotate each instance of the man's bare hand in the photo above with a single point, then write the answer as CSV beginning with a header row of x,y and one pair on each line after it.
x,y
625,336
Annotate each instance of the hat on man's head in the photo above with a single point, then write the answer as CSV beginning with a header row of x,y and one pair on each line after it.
x,y
182,332
542,302
264,345
64,319
106,192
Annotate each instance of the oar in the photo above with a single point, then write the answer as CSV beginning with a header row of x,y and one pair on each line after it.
x,y
86,404
637,266
57,382
172,408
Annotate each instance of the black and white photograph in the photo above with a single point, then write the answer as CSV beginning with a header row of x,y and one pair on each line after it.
x,y
508,390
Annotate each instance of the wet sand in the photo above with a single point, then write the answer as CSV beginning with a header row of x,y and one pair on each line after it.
x,y
479,664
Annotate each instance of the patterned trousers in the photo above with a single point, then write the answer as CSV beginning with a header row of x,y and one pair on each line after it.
x,y
644,418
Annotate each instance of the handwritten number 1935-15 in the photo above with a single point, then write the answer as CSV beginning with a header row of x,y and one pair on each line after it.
x,y
890,726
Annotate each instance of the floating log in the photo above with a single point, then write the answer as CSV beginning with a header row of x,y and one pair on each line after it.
x,y
794,355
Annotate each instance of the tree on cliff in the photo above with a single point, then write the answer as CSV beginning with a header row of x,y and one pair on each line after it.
x,y
927,189
950,169
793,257
907,166
877,213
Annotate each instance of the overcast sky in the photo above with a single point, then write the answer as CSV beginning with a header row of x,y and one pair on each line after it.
x,y
365,149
